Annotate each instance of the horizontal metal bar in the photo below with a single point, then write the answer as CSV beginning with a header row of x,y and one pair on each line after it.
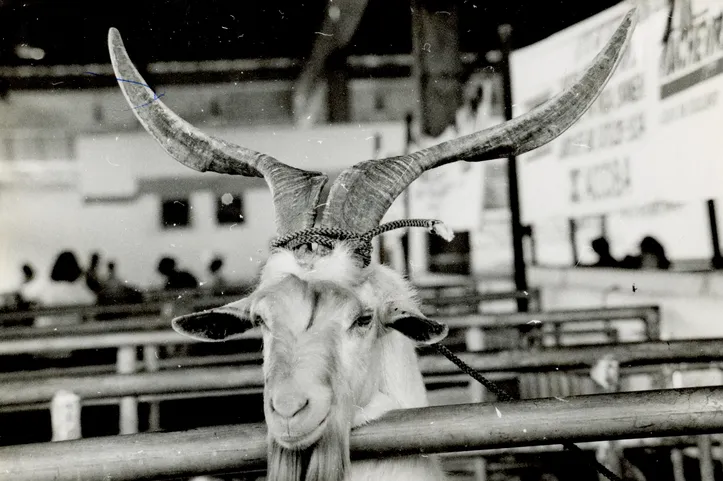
x,y
218,378
201,301
195,301
106,334
465,427
93,341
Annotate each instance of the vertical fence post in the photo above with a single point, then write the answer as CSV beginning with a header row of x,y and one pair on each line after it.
x,y
705,453
676,459
150,361
126,364
475,341
479,464
606,373
65,416
652,324
676,454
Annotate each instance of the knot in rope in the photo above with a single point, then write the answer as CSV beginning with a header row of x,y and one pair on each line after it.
x,y
361,244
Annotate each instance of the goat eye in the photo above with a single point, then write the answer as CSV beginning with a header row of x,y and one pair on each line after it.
x,y
259,321
362,321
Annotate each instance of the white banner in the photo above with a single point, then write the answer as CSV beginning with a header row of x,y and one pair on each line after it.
x,y
458,192
652,134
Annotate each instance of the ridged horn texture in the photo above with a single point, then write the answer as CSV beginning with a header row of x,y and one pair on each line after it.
x,y
295,192
362,194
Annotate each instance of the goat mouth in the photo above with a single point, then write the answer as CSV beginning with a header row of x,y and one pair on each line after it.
x,y
305,440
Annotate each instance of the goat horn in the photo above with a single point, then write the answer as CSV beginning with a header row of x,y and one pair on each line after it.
x,y
363,193
295,192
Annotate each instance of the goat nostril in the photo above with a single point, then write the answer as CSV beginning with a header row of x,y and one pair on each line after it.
x,y
289,406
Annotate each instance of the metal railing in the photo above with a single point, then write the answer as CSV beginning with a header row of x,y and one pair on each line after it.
x,y
440,429
199,380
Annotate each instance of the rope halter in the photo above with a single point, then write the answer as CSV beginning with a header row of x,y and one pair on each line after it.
x,y
361,243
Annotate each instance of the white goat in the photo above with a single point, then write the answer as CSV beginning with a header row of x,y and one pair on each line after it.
x,y
338,332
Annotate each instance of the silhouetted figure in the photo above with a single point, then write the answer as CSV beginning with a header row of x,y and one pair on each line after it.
x,y
652,256
27,292
115,291
602,249
65,288
92,277
218,281
176,279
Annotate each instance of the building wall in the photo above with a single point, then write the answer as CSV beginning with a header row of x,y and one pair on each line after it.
x,y
39,224
110,201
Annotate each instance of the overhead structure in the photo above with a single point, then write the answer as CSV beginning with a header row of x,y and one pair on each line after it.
x,y
438,65
328,60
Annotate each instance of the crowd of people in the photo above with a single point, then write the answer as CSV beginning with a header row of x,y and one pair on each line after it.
x,y
70,284
652,255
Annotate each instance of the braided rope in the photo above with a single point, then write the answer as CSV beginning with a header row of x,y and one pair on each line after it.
x,y
360,243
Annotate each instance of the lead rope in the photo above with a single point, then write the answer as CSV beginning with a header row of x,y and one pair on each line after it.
x,y
505,396
362,246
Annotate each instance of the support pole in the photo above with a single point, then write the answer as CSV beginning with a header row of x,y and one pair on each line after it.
x,y
573,241
717,260
505,33
407,200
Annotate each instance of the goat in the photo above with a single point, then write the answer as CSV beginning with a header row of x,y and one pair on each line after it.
x,y
339,333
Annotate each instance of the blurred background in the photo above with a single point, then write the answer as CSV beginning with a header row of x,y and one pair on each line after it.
x,y
333,81
623,209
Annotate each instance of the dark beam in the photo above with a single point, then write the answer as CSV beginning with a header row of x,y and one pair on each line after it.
x,y
717,260
518,231
438,67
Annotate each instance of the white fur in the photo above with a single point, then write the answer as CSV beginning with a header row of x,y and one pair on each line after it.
x,y
401,387
392,379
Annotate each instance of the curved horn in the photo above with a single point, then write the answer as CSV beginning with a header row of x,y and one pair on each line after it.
x,y
295,192
362,194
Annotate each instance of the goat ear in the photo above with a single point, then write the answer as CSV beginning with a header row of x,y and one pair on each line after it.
x,y
416,326
214,325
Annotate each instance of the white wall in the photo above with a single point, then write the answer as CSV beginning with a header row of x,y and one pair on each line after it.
x,y
690,303
123,222
37,225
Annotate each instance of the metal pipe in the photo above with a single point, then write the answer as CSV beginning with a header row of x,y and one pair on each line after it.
x,y
96,341
122,385
152,320
28,344
465,427
208,379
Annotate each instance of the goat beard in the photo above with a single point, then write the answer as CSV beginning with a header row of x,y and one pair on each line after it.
x,y
325,460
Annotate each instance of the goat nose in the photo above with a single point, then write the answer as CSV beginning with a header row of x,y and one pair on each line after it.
x,y
288,405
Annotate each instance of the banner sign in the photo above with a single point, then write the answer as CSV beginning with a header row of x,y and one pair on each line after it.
x,y
651,136
457,193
